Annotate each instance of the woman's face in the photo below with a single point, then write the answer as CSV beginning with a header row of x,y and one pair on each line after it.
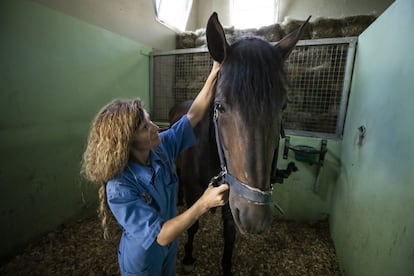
x,y
146,135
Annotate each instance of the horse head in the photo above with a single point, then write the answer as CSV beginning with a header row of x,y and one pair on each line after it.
x,y
249,100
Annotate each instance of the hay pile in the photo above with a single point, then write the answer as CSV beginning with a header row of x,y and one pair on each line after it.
x,y
287,248
320,27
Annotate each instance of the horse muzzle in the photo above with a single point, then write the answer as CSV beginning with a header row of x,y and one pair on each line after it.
x,y
250,217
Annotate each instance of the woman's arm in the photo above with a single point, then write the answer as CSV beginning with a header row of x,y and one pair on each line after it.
x,y
203,99
212,197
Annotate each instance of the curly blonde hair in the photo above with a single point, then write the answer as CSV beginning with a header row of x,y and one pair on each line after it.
x,y
108,147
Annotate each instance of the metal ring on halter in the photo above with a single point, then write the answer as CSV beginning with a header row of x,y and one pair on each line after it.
x,y
218,179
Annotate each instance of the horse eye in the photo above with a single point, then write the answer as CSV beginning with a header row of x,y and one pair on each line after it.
x,y
220,108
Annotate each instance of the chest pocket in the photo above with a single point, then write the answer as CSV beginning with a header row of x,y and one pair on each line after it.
x,y
168,177
172,176
167,174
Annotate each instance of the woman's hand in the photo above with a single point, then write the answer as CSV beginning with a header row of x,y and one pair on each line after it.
x,y
212,197
215,196
214,70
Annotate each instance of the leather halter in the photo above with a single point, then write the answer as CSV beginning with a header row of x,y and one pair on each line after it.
x,y
251,194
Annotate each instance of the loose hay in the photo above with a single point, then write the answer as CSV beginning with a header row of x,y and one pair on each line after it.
x,y
286,248
320,27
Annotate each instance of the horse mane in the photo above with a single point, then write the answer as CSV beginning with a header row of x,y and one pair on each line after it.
x,y
253,78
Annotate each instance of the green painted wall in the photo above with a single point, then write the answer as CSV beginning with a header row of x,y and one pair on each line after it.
x,y
56,72
372,219
306,195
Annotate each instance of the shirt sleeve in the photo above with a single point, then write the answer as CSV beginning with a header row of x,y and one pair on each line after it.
x,y
139,220
178,138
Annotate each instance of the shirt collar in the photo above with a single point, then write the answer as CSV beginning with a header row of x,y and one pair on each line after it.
x,y
145,174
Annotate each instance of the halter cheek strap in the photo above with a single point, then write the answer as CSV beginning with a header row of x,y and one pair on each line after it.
x,y
251,194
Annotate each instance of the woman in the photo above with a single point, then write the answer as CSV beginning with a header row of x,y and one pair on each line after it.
x,y
134,166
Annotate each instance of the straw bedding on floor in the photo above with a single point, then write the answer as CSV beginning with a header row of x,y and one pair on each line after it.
x,y
286,248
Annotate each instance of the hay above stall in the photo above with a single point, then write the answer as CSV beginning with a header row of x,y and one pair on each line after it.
x,y
318,28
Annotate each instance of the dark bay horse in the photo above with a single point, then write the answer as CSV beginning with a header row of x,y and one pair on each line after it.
x,y
237,141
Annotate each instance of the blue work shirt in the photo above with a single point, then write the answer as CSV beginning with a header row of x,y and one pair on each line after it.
x,y
142,198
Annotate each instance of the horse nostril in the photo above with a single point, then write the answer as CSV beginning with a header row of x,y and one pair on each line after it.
x,y
237,214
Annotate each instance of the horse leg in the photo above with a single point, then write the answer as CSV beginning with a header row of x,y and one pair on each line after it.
x,y
188,260
229,234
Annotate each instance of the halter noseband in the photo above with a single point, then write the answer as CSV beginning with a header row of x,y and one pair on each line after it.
x,y
251,194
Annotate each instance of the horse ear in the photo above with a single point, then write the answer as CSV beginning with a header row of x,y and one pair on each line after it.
x,y
286,44
216,39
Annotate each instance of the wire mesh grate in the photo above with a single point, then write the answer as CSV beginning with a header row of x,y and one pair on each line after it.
x,y
316,80
317,74
177,78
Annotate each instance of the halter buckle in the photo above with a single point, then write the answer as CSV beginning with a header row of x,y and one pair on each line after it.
x,y
219,179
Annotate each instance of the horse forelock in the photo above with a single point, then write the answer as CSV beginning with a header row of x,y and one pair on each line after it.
x,y
252,78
